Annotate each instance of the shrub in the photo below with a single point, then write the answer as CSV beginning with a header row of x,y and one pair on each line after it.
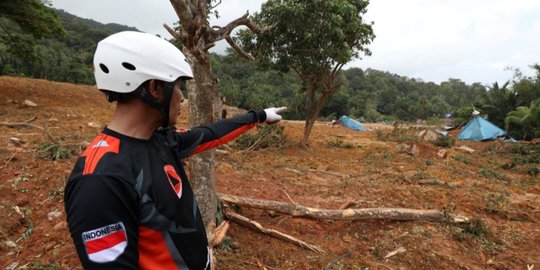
x,y
267,136
445,141
463,159
338,142
55,151
493,174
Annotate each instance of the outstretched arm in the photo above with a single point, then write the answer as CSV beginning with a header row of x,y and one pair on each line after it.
x,y
205,137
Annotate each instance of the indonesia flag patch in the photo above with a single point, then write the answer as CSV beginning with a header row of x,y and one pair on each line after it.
x,y
105,244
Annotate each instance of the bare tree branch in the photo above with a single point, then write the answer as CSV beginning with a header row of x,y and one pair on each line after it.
x,y
219,3
173,33
208,46
254,225
220,33
238,49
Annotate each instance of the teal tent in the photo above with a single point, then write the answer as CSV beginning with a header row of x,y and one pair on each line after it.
x,y
351,123
480,129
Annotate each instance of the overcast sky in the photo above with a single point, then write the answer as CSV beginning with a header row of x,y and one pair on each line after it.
x,y
472,40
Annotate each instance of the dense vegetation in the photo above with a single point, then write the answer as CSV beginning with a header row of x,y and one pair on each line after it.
x,y
373,95
61,55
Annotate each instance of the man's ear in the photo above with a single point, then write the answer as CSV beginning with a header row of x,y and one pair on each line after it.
x,y
155,90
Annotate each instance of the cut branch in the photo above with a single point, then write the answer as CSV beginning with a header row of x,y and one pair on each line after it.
x,y
295,210
44,129
254,225
173,33
436,182
329,173
220,233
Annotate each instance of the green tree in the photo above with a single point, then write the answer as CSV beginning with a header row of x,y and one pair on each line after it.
x,y
527,88
497,103
524,122
33,17
462,115
315,39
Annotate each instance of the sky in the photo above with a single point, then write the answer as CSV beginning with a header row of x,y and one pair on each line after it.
x,y
433,40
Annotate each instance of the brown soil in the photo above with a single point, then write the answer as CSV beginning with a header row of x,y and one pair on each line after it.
x,y
33,237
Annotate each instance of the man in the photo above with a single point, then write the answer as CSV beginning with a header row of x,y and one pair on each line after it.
x,y
128,201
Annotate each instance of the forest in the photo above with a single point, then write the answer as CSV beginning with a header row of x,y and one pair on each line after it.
x,y
368,95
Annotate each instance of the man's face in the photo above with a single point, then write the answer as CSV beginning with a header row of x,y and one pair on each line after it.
x,y
176,101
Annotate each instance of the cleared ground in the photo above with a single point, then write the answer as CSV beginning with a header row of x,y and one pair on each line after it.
x,y
498,185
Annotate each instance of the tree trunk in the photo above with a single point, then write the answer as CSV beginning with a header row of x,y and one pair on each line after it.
x,y
310,111
313,109
296,210
196,37
202,95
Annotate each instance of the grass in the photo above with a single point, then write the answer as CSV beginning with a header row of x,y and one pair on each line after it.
x,y
523,158
492,174
463,159
338,143
475,229
495,202
378,154
55,152
398,135
39,265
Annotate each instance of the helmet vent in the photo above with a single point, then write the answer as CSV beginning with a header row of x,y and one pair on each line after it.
x,y
104,68
128,66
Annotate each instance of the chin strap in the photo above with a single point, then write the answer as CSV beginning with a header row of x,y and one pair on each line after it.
x,y
164,106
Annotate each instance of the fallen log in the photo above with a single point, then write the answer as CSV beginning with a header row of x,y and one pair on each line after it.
x,y
436,183
254,225
403,214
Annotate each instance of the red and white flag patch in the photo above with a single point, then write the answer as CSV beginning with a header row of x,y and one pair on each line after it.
x,y
105,244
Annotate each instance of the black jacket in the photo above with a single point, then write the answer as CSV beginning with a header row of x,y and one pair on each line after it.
x,y
129,204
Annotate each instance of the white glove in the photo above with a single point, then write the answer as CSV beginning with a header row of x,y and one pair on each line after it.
x,y
272,114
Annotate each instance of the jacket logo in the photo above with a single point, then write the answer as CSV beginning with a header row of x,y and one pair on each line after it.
x,y
174,179
105,244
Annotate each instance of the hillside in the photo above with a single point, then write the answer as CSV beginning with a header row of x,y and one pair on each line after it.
x,y
497,185
60,58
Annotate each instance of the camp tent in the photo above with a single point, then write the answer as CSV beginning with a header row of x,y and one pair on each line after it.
x,y
351,123
480,129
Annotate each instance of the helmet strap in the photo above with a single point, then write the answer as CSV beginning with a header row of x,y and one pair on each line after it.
x,y
162,106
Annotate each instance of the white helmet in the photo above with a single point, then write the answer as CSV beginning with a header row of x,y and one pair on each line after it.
x,y
125,60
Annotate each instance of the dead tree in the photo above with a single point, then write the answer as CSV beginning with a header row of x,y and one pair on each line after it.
x,y
196,37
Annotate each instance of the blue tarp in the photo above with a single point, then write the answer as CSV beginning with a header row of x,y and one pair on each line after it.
x,y
480,129
351,123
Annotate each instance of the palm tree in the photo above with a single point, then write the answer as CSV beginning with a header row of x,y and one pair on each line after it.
x,y
497,103
525,121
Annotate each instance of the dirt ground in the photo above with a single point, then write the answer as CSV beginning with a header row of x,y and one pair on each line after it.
x,y
503,200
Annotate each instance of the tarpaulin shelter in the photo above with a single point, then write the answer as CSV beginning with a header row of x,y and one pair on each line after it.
x,y
351,123
480,129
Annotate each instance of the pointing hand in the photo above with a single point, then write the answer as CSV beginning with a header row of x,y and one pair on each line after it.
x,y
273,114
